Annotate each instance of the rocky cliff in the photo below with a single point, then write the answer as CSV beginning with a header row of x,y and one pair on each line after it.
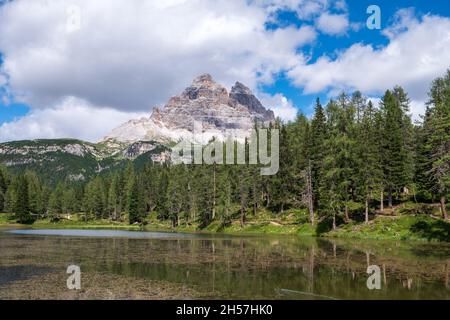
x,y
206,102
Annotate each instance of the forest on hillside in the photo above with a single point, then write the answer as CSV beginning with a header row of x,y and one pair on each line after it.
x,y
351,160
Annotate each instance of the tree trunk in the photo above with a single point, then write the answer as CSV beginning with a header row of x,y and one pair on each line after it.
x,y
382,201
334,221
242,217
390,198
367,209
443,208
347,218
310,195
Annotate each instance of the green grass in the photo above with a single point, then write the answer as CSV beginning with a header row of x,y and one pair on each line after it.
x,y
396,228
294,222
6,218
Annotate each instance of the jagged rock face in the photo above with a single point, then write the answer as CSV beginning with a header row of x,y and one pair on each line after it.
x,y
138,148
205,102
242,95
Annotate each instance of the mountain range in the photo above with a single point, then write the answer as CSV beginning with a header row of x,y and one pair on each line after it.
x,y
205,103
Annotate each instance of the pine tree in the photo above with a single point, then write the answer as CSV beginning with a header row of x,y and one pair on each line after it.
x,y
68,201
94,201
55,207
225,198
4,181
394,151
338,173
439,139
317,137
34,193
114,198
11,195
22,208
407,132
368,156
161,198
128,182
136,209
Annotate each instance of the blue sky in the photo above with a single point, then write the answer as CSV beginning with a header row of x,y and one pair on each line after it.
x,y
329,45
77,69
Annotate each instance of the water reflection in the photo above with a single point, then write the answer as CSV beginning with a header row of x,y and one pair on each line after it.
x,y
248,268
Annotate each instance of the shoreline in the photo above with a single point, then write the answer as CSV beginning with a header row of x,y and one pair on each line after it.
x,y
399,228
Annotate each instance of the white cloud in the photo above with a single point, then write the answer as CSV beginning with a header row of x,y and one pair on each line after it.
x,y
71,118
341,5
3,80
375,101
305,9
402,21
134,54
333,24
280,105
416,54
417,109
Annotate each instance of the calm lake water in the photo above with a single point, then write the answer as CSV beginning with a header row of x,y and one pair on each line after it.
x,y
148,265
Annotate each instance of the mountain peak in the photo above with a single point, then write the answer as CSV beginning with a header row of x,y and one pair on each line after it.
x,y
203,79
240,88
204,101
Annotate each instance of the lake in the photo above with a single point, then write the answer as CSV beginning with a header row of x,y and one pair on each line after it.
x,y
158,265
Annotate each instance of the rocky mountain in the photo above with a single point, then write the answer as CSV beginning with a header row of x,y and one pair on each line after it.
x,y
220,113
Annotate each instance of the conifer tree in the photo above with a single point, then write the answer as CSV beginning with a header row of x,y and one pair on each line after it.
x,y
34,193
439,139
22,208
136,209
394,151
318,136
3,187
369,158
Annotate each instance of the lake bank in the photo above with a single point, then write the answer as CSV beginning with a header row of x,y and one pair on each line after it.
x,y
417,228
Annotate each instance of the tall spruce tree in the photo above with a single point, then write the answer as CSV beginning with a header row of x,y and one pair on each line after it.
x,y
368,157
22,207
318,136
136,208
394,151
439,139
4,181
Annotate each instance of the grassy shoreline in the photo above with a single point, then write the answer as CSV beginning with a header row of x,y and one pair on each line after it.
x,y
417,228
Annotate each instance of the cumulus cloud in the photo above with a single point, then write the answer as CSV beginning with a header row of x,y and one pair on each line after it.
x,y
3,80
134,63
280,105
417,53
417,109
402,21
70,118
333,24
305,9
